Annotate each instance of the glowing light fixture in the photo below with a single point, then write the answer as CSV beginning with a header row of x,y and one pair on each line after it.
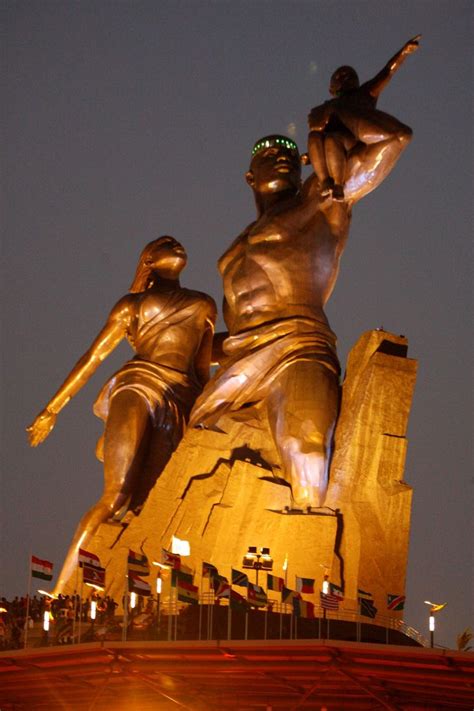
x,y
46,620
180,547
158,585
93,609
133,600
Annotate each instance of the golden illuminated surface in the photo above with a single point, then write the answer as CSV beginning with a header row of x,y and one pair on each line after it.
x,y
220,492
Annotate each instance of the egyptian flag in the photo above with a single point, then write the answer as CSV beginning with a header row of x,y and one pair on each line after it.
x,y
41,568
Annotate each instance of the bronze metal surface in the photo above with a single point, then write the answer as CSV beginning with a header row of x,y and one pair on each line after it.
x,y
278,275
146,404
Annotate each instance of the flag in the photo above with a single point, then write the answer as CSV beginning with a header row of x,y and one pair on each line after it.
x,y
336,591
221,586
187,592
366,604
395,602
209,570
41,568
304,585
237,601
329,601
287,595
138,563
256,595
275,583
137,585
303,608
86,558
239,578
170,560
185,575
94,575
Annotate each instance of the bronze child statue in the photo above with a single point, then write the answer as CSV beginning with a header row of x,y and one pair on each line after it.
x,y
339,124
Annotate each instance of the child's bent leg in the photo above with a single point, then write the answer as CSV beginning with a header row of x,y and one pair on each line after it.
x,y
317,156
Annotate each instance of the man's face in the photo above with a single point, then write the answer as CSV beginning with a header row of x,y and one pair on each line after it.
x,y
274,169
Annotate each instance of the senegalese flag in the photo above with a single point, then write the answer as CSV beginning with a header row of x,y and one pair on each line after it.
x,y
137,585
209,570
305,585
239,578
41,568
288,595
237,601
256,595
187,592
303,608
275,583
395,602
138,563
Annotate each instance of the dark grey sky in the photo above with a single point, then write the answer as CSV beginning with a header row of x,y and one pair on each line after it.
x,y
127,120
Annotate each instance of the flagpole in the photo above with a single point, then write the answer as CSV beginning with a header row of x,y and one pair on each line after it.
x,y
265,623
170,607
80,610
200,602
25,629
125,609
75,605
176,612
229,617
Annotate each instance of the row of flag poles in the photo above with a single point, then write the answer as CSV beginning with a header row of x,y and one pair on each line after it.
x,y
183,589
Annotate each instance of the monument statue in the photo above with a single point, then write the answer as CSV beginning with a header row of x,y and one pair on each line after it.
x,y
146,404
280,354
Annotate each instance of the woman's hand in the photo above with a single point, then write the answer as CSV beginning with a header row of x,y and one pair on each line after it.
x,y
41,427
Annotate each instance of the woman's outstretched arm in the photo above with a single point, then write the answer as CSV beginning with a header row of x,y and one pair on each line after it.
x,y
109,337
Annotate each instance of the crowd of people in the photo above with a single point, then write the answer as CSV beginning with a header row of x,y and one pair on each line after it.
x,y
20,617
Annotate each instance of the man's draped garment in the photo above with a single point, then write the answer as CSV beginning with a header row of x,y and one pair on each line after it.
x,y
254,360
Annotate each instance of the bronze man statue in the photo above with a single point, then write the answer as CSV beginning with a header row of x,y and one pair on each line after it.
x,y
280,354
146,404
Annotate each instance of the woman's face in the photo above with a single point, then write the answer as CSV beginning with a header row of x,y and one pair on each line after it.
x,y
167,257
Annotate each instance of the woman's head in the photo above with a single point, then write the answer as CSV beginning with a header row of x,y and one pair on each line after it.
x,y
163,258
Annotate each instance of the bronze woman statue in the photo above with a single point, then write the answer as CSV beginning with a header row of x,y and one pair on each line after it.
x,y
146,404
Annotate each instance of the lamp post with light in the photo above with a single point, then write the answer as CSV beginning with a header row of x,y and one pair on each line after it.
x,y
258,560
434,608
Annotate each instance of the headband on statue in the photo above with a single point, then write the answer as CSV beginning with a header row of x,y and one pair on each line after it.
x,y
275,140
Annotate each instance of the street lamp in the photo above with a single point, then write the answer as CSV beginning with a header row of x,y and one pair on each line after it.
x,y
258,560
434,608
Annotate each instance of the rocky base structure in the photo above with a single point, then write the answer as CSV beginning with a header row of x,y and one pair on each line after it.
x,y
221,491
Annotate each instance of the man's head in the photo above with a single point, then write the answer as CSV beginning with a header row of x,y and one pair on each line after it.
x,y
275,166
344,79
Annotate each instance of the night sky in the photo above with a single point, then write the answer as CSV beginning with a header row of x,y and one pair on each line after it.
x,y
128,120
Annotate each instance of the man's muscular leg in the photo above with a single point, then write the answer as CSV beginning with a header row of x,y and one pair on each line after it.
x,y
302,409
